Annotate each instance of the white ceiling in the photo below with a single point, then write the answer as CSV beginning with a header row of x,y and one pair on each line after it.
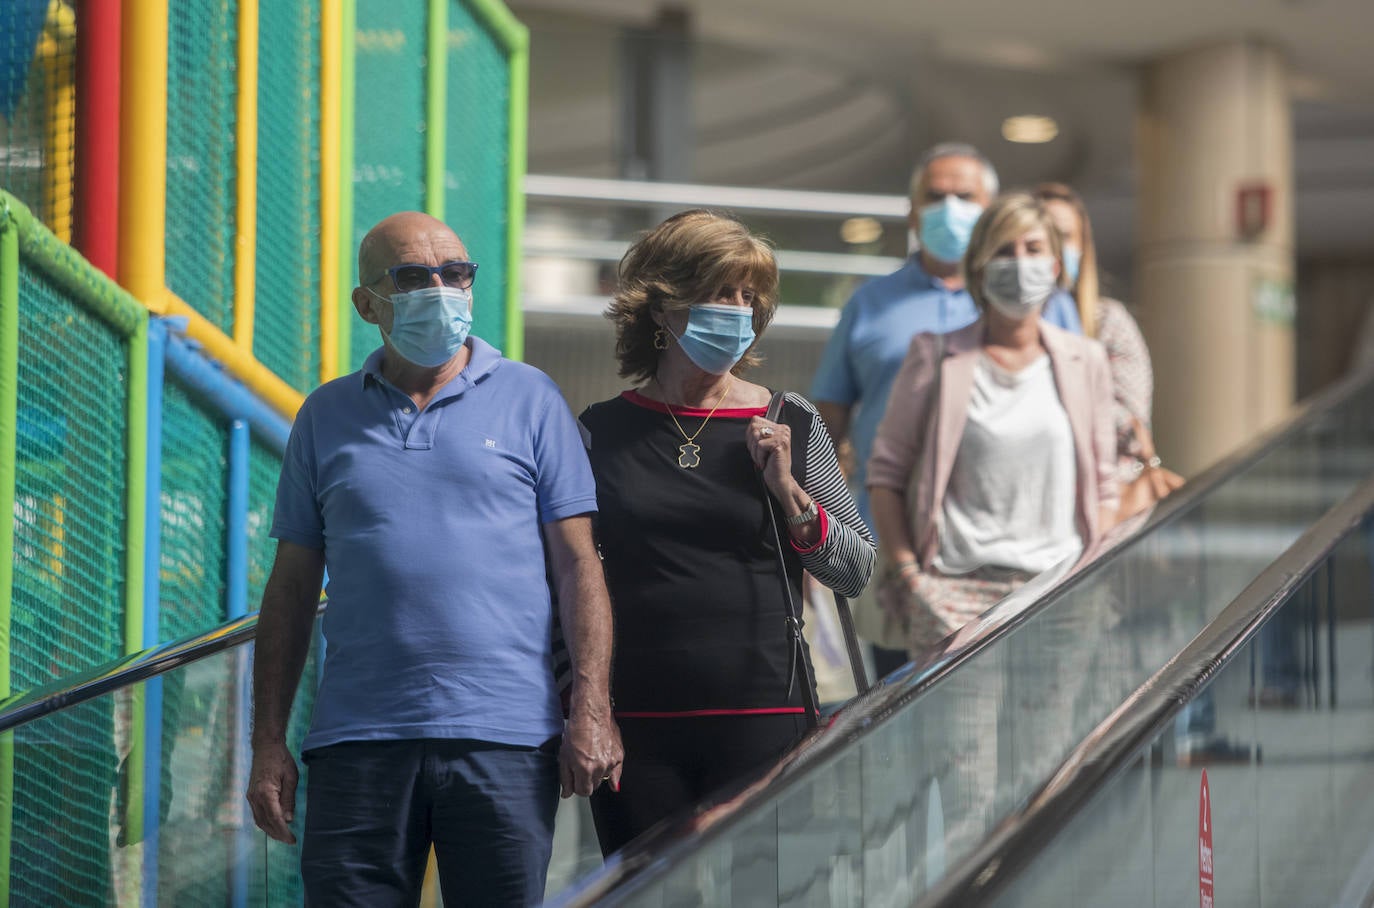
x,y
825,95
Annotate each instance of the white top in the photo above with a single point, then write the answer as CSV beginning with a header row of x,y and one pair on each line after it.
x,y
1012,490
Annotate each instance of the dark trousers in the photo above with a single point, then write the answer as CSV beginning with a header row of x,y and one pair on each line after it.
x,y
374,808
672,765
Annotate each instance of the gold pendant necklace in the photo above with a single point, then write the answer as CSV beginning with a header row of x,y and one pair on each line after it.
x,y
689,453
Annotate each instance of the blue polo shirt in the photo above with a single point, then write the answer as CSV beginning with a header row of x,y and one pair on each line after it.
x,y
866,349
439,619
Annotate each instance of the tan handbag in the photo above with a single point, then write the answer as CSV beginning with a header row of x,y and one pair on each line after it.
x,y
1153,482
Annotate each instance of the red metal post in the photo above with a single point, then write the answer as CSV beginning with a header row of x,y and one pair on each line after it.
x,y
97,132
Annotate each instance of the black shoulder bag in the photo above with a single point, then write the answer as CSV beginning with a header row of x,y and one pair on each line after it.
x,y
797,652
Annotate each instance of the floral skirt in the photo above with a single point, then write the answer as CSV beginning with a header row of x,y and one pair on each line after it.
x,y
931,606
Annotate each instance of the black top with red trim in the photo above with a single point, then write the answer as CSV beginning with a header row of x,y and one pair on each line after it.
x,y
690,559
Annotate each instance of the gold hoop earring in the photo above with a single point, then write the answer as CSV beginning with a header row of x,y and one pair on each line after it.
x,y
660,339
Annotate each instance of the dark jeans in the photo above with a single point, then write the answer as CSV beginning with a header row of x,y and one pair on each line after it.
x,y
374,808
671,765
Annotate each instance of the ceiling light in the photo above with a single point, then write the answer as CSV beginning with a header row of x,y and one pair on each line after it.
x,y
860,231
1029,128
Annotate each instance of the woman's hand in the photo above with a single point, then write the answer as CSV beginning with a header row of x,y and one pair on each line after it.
x,y
770,445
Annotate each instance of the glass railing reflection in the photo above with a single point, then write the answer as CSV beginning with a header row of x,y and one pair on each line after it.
x,y
1276,811
136,796
879,822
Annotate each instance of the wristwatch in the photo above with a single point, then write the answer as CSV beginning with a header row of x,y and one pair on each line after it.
x,y
804,517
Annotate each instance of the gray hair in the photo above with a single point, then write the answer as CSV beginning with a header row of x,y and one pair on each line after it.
x,y
955,150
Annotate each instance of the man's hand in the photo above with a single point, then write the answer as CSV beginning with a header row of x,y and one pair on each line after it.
x,y
591,755
272,790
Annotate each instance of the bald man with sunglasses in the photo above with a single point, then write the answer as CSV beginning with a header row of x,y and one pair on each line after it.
x,y
431,484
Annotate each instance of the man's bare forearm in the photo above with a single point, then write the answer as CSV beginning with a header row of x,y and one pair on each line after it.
x,y
585,614
285,625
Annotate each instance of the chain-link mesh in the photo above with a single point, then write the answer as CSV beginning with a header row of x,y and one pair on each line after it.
x,y
286,316
201,93
38,108
478,162
67,811
69,586
264,467
194,503
389,139
69,514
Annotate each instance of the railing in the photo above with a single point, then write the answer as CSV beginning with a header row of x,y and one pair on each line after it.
x,y
826,241
1214,505
1118,743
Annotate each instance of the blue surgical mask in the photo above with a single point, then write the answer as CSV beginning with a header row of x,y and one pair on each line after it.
x,y
946,227
717,336
429,325
1073,258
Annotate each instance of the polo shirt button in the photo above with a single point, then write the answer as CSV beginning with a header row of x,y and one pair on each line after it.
x,y
405,409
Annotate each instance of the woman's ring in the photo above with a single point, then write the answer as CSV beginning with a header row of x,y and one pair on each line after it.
x,y
766,432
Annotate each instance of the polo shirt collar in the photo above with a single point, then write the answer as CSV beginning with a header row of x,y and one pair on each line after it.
x,y
920,278
483,359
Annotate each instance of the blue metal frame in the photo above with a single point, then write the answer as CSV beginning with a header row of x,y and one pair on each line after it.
x,y
152,597
208,380
247,416
236,606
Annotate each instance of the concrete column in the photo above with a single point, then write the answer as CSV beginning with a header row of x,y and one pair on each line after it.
x,y
656,137
1215,301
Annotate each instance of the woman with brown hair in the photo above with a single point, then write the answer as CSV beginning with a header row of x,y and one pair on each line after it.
x,y
709,664
1144,479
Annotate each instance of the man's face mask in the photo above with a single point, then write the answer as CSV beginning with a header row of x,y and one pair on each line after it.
x,y
946,227
429,325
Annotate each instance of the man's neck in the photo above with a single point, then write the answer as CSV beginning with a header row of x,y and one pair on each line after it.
x,y
421,383
949,273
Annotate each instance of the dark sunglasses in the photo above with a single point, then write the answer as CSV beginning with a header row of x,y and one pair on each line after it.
x,y
408,278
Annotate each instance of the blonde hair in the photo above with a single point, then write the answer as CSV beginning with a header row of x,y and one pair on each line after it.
x,y
1009,217
1085,289
686,260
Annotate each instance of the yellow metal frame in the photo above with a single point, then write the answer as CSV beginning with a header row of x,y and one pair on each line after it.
x,y
143,177
56,48
331,132
246,161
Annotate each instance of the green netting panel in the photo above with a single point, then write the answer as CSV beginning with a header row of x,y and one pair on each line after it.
x,y
194,506
37,107
71,465
201,63
67,815
264,466
477,165
286,318
389,139
69,560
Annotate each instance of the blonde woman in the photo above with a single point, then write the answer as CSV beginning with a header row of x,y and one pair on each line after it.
x,y
707,680
996,459
1108,321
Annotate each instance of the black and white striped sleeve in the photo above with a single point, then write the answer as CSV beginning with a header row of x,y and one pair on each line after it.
x,y
847,552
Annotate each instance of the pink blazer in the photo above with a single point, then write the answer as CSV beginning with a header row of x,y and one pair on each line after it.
x,y
911,427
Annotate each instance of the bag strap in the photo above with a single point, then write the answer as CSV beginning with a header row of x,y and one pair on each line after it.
x,y
797,654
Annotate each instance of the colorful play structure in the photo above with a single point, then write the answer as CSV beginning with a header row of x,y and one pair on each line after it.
x,y
182,187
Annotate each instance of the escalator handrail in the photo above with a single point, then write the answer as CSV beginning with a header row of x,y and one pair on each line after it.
x,y
660,849
1117,742
27,706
